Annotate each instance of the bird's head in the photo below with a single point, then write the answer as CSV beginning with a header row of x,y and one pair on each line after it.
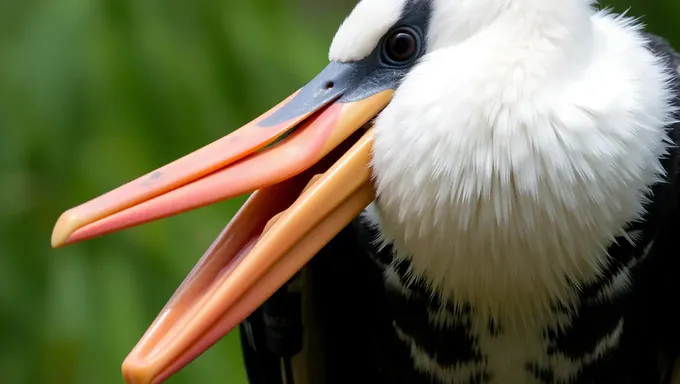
x,y
322,129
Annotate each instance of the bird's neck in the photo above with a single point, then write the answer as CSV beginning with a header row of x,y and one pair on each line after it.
x,y
526,46
518,163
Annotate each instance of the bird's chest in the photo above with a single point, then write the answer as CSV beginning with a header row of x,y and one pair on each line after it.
x,y
427,339
437,343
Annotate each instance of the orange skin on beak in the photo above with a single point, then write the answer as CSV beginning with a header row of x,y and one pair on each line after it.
x,y
307,187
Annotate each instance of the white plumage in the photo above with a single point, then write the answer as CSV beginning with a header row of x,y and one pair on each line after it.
x,y
511,156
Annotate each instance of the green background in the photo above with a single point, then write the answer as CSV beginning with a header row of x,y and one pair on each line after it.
x,y
94,93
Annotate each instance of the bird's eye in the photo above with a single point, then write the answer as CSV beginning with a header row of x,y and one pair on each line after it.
x,y
401,46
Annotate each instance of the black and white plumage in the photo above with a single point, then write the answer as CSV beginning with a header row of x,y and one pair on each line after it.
x,y
530,235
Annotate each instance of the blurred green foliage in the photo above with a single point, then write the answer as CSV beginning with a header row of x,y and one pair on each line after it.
x,y
94,93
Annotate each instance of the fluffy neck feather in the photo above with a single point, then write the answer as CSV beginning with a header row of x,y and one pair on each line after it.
x,y
530,145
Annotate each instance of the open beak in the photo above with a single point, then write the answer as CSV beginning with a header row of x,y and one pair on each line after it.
x,y
307,161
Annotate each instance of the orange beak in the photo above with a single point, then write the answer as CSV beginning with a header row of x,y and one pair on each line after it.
x,y
319,130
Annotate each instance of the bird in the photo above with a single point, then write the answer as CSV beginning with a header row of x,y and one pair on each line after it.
x,y
470,192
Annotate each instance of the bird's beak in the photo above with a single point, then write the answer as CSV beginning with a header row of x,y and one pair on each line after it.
x,y
291,215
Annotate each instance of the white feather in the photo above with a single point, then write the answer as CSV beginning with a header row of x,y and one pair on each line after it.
x,y
507,162
364,27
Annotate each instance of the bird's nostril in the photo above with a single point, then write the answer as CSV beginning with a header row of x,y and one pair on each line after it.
x,y
329,85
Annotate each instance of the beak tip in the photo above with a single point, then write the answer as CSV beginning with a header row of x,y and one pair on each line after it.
x,y
136,373
64,228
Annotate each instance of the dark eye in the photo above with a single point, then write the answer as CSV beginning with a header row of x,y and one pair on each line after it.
x,y
401,46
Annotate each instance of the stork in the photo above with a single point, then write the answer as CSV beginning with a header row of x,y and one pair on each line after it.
x,y
489,186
